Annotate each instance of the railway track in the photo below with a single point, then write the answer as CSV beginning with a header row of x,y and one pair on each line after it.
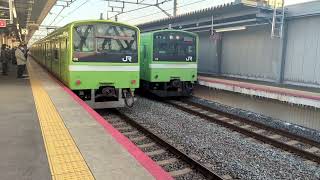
x,y
301,146
179,164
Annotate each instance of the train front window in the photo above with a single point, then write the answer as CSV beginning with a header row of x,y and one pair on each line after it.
x,y
105,42
174,46
116,39
83,38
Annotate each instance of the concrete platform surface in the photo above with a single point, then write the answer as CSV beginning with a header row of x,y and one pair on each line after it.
x,y
22,152
289,95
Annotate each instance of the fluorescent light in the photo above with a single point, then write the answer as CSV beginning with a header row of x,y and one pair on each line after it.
x,y
237,28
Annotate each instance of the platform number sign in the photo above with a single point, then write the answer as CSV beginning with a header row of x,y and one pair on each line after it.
x,y
3,23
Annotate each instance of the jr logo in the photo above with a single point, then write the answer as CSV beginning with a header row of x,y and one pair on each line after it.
x,y
127,59
189,58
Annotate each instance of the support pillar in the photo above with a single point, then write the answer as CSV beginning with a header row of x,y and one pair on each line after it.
x,y
283,52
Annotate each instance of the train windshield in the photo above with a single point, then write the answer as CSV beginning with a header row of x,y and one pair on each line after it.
x,y
174,46
105,42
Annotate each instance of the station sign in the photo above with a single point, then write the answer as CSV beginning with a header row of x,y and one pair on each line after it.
x,y
3,23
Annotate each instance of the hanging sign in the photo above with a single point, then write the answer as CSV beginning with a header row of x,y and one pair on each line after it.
x,y
3,23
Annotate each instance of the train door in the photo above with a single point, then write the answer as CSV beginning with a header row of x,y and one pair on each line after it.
x,y
143,61
55,58
60,58
45,54
64,60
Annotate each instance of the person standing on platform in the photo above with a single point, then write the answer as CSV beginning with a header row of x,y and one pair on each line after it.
x,y
21,61
12,52
4,60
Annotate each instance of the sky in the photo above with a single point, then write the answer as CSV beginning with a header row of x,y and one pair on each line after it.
x,y
91,9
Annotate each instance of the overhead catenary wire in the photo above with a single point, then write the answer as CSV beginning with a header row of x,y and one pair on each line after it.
x,y
63,8
71,12
64,16
165,10
146,6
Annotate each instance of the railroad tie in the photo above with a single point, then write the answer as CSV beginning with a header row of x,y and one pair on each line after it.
x,y
146,145
233,122
139,138
124,128
117,123
213,115
275,136
259,131
156,152
195,157
246,126
223,118
313,149
226,177
167,161
180,104
196,109
204,112
180,172
114,120
292,142
130,133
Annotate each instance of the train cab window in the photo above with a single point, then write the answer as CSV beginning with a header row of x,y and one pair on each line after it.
x,y
105,42
83,38
115,39
174,46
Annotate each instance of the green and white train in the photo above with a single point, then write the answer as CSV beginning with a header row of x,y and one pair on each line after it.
x,y
169,62
98,60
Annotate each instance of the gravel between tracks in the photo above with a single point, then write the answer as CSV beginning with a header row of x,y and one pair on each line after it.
x,y
228,152
268,121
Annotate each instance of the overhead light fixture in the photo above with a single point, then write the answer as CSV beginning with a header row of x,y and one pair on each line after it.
x,y
236,28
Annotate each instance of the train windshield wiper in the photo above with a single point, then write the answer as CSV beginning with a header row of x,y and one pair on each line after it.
x,y
126,38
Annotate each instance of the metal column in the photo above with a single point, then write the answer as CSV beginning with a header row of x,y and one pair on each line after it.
x,y
219,53
283,52
175,8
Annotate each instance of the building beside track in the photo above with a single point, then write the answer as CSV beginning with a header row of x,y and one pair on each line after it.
x,y
235,41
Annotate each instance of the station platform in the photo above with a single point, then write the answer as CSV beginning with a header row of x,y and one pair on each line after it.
x,y
47,132
293,95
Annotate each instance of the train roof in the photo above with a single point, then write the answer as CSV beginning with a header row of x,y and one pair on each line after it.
x,y
168,30
71,24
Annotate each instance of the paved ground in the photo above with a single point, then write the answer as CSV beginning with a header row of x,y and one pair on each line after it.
x,y
22,152
105,157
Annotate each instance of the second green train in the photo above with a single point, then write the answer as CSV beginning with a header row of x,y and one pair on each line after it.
x,y
168,62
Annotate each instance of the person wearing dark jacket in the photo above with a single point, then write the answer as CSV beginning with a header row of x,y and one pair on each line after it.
x,y
4,60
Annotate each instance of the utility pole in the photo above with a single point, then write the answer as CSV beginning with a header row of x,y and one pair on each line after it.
x,y
175,4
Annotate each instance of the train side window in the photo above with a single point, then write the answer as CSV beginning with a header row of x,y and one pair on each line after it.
x,y
56,54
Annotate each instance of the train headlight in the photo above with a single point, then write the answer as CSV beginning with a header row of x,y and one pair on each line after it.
x,y
193,76
78,82
133,81
156,76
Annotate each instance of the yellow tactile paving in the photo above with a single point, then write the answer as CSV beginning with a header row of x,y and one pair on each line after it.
x,y
65,159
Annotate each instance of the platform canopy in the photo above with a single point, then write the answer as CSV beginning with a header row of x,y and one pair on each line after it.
x,y
23,17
